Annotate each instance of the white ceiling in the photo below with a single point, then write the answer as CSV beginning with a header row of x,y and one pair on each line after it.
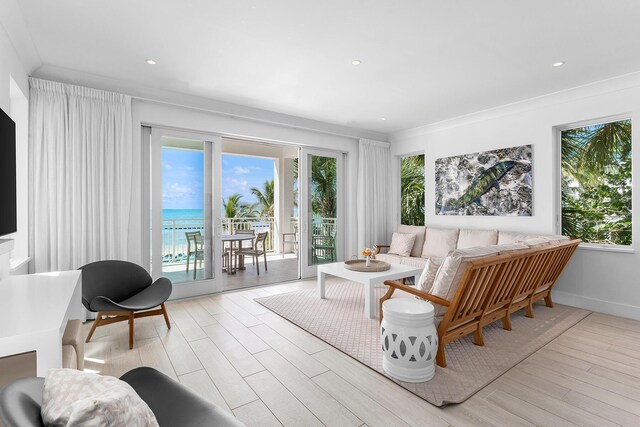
x,y
422,61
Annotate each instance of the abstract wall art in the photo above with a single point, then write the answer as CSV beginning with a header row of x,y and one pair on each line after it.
x,y
489,183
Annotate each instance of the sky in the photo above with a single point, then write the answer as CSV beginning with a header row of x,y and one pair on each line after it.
x,y
183,177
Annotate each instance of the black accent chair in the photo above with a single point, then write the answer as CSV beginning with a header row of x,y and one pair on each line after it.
x,y
172,403
122,290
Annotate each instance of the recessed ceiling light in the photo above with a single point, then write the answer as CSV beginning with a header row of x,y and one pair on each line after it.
x,y
558,64
151,62
356,62
383,118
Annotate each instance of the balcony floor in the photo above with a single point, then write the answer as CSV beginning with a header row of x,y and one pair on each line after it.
x,y
279,270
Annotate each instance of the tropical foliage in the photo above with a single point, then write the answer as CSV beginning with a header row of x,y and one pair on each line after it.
x,y
412,190
596,183
234,207
323,185
265,198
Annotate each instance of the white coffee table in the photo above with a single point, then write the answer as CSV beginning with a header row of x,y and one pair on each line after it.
x,y
369,280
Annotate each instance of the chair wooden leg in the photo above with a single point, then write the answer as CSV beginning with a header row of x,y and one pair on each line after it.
x,y
548,301
506,322
441,360
478,338
385,297
265,261
96,323
166,315
529,310
131,317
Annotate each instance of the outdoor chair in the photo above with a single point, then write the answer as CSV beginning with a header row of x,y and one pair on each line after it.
x,y
195,247
258,249
122,290
324,248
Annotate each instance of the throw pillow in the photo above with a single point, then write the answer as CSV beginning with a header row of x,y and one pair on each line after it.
x,y
418,231
452,271
429,274
75,398
401,244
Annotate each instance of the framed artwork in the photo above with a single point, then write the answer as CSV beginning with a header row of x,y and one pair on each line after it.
x,y
488,183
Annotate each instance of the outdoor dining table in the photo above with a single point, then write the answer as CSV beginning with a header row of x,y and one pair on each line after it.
x,y
234,238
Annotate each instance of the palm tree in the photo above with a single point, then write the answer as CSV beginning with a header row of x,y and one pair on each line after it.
x,y
412,190
234,208
324,186
596,182
265,198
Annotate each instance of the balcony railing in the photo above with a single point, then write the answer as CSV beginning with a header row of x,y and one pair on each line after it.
x,y
174,242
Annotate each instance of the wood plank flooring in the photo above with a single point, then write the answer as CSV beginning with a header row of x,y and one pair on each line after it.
x,y
269,372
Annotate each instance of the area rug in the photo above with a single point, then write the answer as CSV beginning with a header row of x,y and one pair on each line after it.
x,y
339,320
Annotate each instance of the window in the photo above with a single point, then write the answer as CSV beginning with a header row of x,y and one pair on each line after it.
x,y
412,190
596,183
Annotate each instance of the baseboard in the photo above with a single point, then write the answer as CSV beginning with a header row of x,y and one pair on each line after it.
x,y
599,306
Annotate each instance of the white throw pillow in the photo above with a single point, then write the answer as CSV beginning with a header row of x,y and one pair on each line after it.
x,y
418,231
75,398
439,242
506,237
401,244
537,242
452,270
472,238
428,276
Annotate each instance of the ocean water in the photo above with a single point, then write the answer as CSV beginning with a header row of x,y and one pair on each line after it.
x,y
182,213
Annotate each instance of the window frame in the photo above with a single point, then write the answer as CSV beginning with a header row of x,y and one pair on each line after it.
x,y
557,131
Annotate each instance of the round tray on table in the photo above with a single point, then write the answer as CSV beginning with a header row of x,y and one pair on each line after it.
x,y
360,265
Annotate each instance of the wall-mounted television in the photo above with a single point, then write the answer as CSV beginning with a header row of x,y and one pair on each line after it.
x,y
8,214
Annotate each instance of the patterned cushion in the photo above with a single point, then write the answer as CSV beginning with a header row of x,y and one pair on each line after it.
x,y
75,398
439,242
418,231
428,275
452,270
473,238
401,244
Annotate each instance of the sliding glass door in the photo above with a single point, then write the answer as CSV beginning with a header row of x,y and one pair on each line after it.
x,y
182,232
321,208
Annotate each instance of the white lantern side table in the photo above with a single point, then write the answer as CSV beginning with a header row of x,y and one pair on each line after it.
x,y
409,339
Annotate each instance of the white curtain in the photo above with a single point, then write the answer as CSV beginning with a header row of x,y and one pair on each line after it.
x,y
373,204
82,175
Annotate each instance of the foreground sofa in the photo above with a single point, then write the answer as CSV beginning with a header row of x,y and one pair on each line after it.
x,y
473,286
171,402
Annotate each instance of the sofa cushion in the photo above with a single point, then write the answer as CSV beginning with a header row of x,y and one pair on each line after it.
x,y
390,258
472,238
510,247
418,231
414,262
439,242
505,237
74,398
428,275
452,270
401,244
537,242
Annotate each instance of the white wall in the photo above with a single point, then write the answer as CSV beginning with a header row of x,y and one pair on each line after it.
x,y
595,279
14,92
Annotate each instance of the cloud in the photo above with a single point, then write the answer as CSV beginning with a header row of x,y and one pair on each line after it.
x,y
239,170
167,166
177,191
186,168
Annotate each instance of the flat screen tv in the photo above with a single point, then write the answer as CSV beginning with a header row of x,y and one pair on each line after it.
x,y
8,215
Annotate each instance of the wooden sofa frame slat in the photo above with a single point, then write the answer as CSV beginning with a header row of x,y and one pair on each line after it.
x,y
493,288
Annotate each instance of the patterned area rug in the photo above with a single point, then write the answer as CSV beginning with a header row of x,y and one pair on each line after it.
x,y
339,320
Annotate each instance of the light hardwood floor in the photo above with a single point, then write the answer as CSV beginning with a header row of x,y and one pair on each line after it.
x,y
267,371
